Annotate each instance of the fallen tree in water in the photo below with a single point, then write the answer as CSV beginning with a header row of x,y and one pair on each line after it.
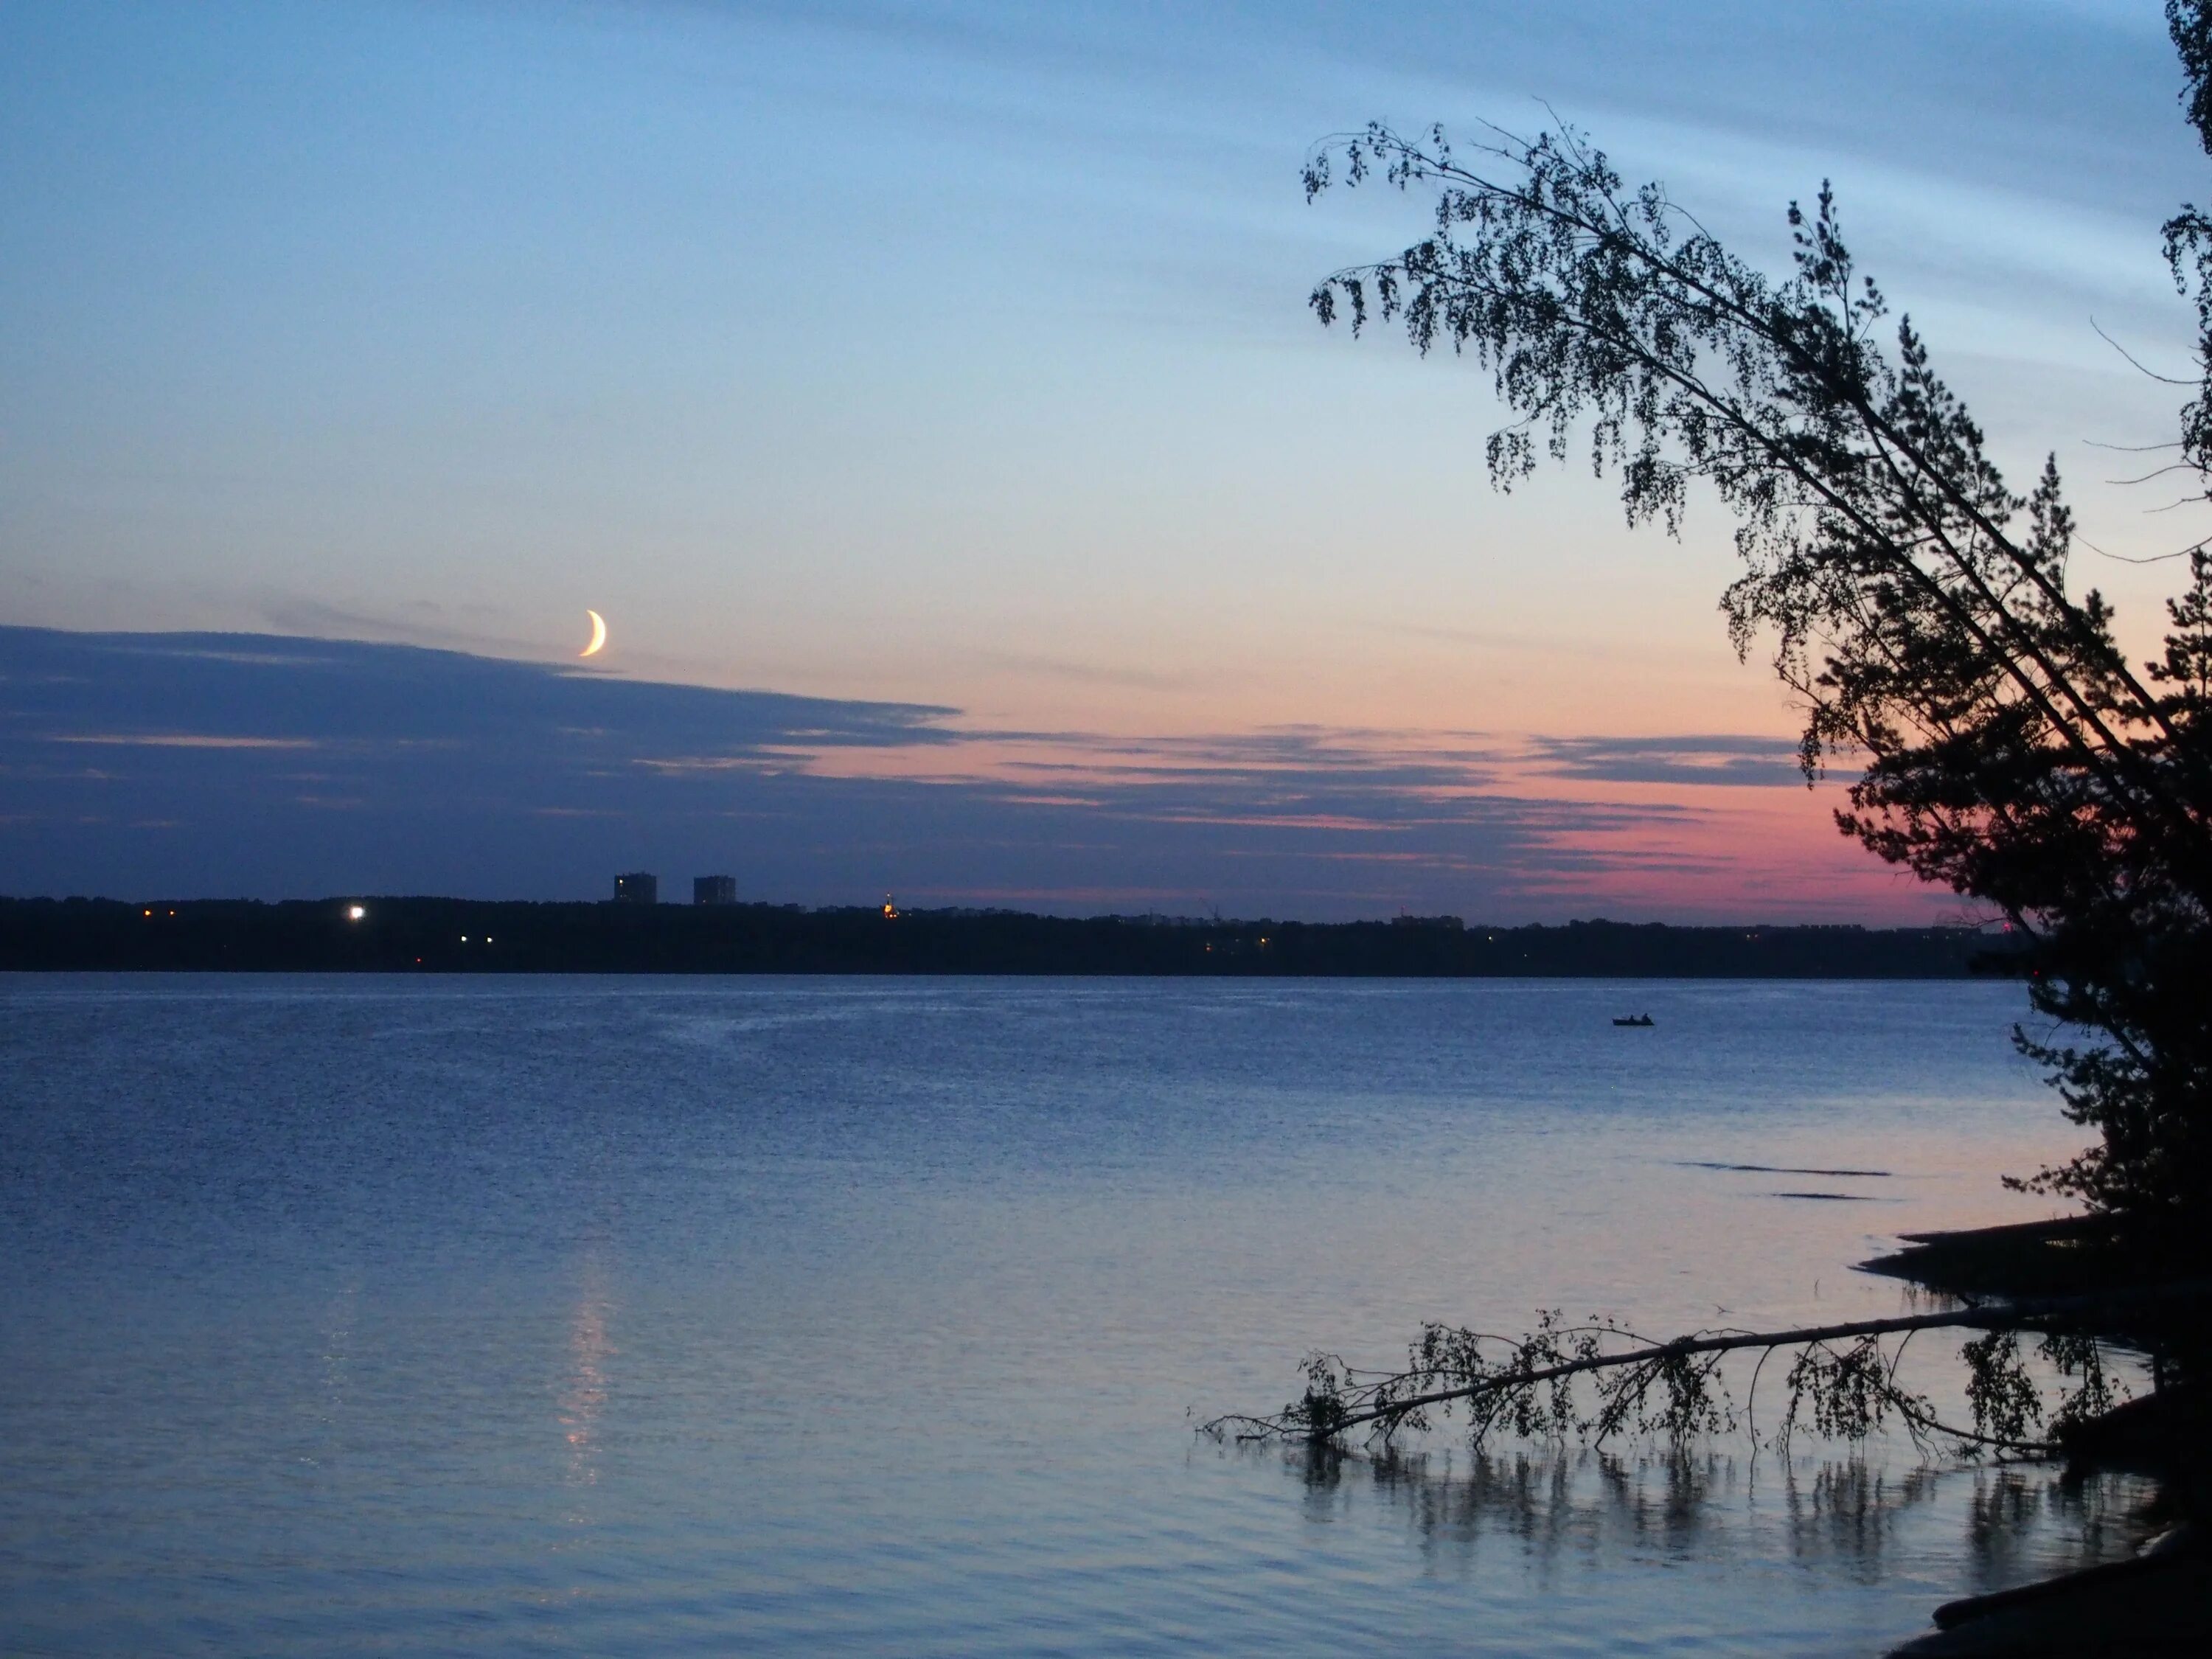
x,y
1923,612
1598,1379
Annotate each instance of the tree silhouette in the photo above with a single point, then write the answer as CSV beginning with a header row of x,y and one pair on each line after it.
x,y
1917,605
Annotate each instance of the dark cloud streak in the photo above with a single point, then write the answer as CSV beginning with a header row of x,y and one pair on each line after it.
x,y
270,766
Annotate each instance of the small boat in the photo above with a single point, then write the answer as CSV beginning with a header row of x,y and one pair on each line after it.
x,y
1633,1019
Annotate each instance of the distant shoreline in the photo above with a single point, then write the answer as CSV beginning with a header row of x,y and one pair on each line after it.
x,y
443,935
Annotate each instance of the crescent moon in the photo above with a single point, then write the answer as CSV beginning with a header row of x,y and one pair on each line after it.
x,y
599,635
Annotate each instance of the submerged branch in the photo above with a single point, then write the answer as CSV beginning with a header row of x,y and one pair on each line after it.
x,y
1848,1389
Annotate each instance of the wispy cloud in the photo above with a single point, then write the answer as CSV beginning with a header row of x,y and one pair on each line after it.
x,y
1085,673
1693,759
181,740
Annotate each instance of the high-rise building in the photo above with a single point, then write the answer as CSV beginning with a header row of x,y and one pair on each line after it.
x,y
638,887
713,890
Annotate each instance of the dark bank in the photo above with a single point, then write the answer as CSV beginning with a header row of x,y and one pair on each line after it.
x,y
2157,1602
446,935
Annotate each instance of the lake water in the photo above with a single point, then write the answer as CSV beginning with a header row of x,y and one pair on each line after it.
x,y
773,1315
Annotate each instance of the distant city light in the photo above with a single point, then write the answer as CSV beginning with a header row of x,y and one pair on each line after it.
x,y
355,912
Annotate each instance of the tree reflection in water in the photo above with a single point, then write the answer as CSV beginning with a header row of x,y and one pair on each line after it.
x,y
1859,1518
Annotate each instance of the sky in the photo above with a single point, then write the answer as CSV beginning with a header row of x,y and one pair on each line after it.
x,y
940,376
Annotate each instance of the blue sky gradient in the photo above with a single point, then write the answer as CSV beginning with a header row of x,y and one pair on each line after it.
x,y
956,356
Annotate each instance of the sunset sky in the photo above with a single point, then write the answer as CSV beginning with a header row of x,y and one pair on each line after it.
x,y
948,367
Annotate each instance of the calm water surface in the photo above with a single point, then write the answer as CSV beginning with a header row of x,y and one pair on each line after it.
x,y
641,1316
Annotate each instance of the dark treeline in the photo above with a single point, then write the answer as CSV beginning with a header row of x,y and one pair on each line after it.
x,y
445,935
